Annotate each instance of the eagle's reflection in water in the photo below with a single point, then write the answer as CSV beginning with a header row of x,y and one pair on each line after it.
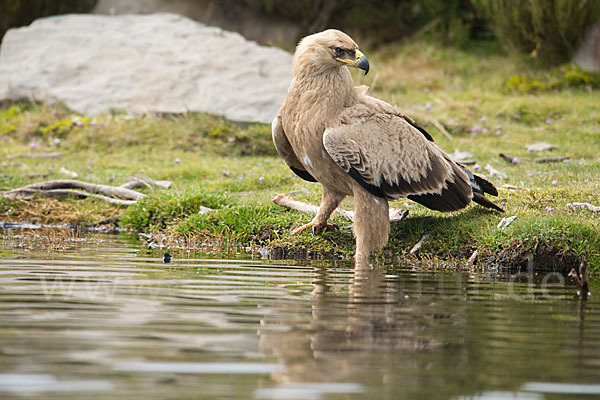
x,y
358,326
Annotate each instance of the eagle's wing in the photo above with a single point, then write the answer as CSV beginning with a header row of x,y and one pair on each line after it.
x,y
285,150
391,157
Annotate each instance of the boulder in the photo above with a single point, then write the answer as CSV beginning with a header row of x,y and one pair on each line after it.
x,y
143,63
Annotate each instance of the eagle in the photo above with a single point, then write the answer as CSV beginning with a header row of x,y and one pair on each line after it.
x,y
331,132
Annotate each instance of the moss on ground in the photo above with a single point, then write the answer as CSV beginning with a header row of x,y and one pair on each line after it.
x,y
235,170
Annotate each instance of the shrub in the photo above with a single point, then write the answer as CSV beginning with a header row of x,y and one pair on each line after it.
x,y
386,20
566,77
549,29
23,12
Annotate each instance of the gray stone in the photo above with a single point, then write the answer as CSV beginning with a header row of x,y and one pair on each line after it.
x,y
143,63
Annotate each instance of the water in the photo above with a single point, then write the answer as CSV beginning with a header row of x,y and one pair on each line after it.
x,y
102,318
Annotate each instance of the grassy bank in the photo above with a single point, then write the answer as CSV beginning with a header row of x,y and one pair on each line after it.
x,y
487,103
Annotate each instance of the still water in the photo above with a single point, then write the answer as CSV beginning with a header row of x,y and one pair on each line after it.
x,y
105,318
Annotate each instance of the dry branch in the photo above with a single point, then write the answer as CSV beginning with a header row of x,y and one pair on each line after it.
x,y
514,160
67,188
34,155
415,249
441,128
60,194
144,181
86,186
396,214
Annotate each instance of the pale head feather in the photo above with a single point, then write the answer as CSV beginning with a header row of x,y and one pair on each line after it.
x,y
315,53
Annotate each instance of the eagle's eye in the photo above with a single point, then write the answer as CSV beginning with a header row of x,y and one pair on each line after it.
x,y
339,51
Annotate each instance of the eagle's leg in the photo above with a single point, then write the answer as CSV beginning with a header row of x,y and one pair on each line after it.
x,y
329,202
371,223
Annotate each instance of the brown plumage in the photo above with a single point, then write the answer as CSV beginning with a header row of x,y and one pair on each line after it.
x,y
331,132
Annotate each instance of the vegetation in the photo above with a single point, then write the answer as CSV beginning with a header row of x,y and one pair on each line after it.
x,y
551,29
235,170
23,12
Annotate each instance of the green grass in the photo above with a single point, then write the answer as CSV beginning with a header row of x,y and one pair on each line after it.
x,y
218,164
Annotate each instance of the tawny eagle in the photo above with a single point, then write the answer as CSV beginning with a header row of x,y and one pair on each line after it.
x,y
331,132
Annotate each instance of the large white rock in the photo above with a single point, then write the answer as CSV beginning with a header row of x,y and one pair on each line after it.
x,y
143,63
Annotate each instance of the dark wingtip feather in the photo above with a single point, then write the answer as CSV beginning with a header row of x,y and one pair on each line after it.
x,y
481,187
484,201
486,186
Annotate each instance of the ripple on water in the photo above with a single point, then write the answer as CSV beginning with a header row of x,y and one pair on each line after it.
x,y
104,318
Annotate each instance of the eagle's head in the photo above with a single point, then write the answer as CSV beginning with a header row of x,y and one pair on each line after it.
x,y
326,50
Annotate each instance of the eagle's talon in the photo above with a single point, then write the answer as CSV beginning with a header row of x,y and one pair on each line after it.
x,y
318,228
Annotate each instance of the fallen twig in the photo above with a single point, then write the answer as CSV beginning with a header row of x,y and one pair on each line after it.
x,y
60,189
88,187
395,214
472,258
441,128
417,246
516,160
144,181
585,206
35,155
59,194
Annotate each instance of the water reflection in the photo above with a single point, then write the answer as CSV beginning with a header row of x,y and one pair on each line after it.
x,y
407,334
102,318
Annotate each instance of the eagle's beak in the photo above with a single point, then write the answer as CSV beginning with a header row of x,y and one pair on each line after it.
x,y
360,61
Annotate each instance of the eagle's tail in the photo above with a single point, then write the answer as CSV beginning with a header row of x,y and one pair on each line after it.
x,y
457,194
480,187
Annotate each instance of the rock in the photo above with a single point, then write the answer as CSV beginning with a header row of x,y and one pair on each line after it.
x,y
495,173
540,147
588,55
143,63
461,156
